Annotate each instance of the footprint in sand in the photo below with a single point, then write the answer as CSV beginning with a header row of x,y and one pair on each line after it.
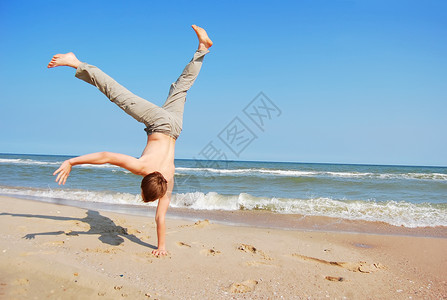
x,y
181,244
209,252
202,224
251,249
331,278
247,248
198,224
137,233
243,287
360,266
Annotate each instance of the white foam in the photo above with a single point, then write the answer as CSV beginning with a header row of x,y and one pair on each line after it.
x,y
18,161
392,212
249,171
395,213
79,195
299,173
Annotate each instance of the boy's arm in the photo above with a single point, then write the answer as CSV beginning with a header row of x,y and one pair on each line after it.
x,y
121,160
162,208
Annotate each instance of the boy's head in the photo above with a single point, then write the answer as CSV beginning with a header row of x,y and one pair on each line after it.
x,y
153,187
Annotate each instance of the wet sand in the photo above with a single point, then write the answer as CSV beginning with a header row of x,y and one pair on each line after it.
x,y
55,251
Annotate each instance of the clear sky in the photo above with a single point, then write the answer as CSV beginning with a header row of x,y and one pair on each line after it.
x,y
355,81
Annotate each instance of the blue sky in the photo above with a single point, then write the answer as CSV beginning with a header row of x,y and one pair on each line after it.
x,y
356,81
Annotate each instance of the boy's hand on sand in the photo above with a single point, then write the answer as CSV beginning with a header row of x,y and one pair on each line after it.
x,y
160,252
63,172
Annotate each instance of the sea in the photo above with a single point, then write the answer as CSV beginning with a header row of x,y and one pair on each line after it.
x,y
408,196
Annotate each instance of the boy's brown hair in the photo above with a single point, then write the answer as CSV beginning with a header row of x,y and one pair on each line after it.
x,y
153,186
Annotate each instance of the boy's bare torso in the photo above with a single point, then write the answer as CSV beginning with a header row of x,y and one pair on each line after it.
x,y
158,155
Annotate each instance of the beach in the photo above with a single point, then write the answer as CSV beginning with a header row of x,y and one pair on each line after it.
x,y
64,252
314,172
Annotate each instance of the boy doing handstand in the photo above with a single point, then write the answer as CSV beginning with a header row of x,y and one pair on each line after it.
x,y
163,126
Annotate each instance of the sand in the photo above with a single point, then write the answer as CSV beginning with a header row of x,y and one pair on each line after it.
x,y
51,251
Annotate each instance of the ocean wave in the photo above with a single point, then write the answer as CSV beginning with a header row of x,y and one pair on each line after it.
x,y
18,161
78,195
392,212
297,173
253,172
247,171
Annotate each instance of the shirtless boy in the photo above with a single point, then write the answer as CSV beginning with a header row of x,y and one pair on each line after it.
x,y
163,126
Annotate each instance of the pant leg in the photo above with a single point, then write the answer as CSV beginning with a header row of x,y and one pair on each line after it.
x,y
137,107
177,94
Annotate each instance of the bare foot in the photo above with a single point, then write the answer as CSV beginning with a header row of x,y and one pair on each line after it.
x,y
67,59
204,41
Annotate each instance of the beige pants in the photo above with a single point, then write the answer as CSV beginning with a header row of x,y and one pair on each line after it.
x,y
167,119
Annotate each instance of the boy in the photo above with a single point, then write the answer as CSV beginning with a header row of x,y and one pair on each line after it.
x,y
163,126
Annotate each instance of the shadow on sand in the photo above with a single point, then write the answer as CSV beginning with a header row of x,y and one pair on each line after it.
x,y
109,233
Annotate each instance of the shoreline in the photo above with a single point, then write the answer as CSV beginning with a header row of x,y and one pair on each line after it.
x,y
53,250
257,218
